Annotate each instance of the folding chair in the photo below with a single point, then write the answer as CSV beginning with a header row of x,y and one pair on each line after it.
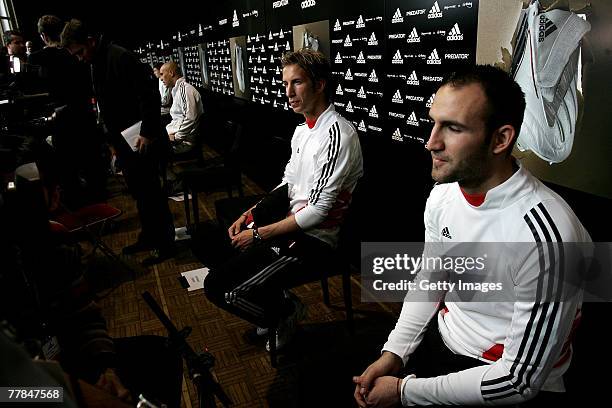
x,y
89,220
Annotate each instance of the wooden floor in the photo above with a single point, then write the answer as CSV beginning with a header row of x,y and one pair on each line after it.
x,y
314,370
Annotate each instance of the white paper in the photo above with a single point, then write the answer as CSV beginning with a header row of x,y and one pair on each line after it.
x,y
179,197
131,134
195,278
181,234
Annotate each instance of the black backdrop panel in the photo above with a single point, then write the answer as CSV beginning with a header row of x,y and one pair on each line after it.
x,y
425,41
357,58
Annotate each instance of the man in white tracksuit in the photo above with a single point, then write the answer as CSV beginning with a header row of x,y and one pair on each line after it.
x,y
186,109
477,353
310,203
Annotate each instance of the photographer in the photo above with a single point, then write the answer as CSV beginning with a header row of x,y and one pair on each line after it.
x,y
47,298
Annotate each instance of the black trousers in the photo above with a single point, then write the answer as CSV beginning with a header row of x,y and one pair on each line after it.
x,y
251,283
142,174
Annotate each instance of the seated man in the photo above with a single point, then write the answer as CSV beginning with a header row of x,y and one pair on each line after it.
x,y
166,95
477,353
186,109
324,168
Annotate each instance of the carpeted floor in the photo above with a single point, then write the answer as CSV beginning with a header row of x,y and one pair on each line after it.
x,y
314,370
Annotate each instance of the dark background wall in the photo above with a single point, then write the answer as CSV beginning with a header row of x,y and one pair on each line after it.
x,y
391,196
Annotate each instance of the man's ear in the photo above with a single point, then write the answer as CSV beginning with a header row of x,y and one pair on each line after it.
x,y
321,84
503,139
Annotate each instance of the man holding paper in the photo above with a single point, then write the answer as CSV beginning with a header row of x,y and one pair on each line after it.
x,y
127,94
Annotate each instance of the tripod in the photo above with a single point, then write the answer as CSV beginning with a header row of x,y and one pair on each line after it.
x,y
199,364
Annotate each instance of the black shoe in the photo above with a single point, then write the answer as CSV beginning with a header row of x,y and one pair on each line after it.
x,y
158,256
136,247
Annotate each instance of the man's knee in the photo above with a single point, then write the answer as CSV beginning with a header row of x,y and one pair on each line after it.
x,y
214,287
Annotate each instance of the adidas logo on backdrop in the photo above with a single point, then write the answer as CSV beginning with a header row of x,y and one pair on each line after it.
x,y
454,34
435,11
413,37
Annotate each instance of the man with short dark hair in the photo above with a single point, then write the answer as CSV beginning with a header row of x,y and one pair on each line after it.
x,y
75,137
300,219
127,95
477,353
15,44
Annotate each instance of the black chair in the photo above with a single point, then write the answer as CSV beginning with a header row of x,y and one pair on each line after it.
x,y
214,176
336,262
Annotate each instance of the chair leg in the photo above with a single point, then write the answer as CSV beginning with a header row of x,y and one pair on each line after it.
x,y
187,211
272,341
348,302
196,210
325,290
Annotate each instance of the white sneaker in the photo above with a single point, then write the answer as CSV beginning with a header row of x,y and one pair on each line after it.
x,y
545,65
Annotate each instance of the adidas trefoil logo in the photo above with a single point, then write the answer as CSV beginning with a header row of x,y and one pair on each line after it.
x,y
373,113
360,23
361,93
546,27
454,34
413,79
360,59
433,58
349,107
397,58
338,59
397,97
337,26
397,17
348,76
339,90
373,77
347,41
413,37
435,11
372,40
446,233
412,119
362,126
430,100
